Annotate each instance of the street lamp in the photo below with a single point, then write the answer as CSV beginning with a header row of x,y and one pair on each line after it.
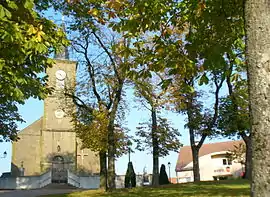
x,y
169,165
4,155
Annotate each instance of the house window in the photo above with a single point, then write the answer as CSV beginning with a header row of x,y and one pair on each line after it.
x,y
227,162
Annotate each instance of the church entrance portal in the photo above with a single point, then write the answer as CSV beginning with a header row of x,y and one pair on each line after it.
x,y
59,172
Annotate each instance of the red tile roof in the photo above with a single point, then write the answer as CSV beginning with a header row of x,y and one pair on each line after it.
x,y
185,155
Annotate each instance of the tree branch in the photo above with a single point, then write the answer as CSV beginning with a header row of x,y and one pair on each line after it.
x,y
109,55
75,99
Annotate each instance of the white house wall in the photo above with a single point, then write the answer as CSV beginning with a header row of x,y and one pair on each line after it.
x,y
208,166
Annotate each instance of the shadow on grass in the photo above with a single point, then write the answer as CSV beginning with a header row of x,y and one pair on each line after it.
x,y
217,189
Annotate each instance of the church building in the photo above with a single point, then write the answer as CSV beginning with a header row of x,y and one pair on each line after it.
x,y
50,143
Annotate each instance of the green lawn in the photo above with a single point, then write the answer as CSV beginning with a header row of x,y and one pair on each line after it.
x,y
221,188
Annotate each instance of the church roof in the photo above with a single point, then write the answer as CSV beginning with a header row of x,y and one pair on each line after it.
x,y
36,124
185,154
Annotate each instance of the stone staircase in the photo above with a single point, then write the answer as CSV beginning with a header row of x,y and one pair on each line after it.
x,y
59,186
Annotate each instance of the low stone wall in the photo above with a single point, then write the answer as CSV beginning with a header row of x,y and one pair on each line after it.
x,y
89,182
32,182
25,182
120,181
85,182
92,182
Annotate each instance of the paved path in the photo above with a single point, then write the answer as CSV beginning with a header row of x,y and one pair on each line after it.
x,y
35,192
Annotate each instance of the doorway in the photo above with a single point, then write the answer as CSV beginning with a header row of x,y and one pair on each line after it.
x,y
59,172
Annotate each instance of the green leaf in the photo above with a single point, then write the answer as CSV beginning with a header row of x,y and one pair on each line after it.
x,y
28,4
2,11
12,5
7,13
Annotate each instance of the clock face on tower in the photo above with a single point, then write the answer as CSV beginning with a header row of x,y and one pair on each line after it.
x,y
59,113
60,74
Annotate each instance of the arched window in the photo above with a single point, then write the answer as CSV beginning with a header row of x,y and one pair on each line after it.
x,y
58,159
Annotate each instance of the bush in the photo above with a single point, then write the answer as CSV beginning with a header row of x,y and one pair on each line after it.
x,y
130,177
163,177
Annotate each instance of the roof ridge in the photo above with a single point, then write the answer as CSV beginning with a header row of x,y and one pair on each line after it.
x,y
185,153
31,124
216,143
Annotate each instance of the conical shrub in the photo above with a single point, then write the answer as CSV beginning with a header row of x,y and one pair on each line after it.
x,y
130,177
163,177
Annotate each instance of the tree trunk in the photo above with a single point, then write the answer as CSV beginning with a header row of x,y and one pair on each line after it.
x,y
155,177
103,170
257,25
111,139
111,157
194,148
248,167
196,166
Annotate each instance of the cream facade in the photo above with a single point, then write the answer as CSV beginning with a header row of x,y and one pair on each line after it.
x,y
213,166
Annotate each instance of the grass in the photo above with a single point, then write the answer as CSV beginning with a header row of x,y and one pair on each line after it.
x,y
202,189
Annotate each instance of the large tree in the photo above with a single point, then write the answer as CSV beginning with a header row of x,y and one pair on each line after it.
x,y
234,115
173,37
91,126
257,24
94,42
201,117
104,81
158,131
27,40
214,40
218,38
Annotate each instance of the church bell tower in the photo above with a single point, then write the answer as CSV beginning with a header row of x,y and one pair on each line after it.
x,y
50,143
58,136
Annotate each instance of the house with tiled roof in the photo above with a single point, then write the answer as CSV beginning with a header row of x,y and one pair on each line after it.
x,y
214,161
